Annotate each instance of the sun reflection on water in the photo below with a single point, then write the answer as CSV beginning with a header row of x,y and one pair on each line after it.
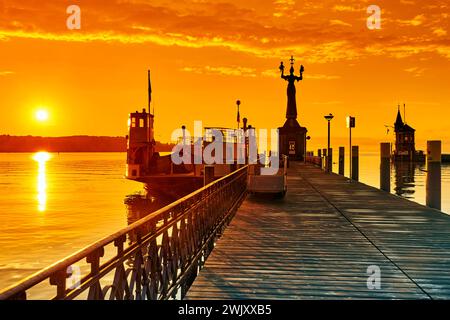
x,y
41,158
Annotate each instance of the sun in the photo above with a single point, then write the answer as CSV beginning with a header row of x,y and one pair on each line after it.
x,y
41,115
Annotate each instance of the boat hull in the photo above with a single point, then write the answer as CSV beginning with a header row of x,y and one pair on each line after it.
x,y
417,158
172,187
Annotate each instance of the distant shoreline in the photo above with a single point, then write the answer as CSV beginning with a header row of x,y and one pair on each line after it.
x,y
80,143
42,150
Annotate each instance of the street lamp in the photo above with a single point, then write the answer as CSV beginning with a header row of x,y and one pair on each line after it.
x,y
238,103
183,128
329,157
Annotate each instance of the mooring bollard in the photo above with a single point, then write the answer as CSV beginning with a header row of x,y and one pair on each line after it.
x,y
385,166
209,175
341,160
433,197
319,154
330,160
355,163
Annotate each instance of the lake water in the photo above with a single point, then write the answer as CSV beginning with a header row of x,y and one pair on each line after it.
x,y
53,205
407,180
49,208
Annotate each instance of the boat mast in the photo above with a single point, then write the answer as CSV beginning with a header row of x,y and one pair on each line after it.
x,y
404,112
150,93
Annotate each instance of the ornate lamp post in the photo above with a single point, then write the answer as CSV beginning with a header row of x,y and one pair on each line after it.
x,y
329,157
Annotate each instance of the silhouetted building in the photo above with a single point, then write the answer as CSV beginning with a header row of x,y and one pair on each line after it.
x,y
292,134
405,143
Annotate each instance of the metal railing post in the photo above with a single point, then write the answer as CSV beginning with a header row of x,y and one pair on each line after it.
x,y
385,166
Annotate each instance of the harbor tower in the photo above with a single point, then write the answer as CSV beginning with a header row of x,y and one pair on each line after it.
x,y
405,144
140,140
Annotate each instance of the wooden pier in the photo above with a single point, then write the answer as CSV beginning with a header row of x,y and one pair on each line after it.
x,y
319,242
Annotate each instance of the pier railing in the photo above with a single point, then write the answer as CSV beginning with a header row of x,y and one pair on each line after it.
x,y
314,160
169,247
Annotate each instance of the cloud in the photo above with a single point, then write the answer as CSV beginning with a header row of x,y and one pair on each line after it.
x,y
307,29
407,50
337,22
345,8
221,70
415,71
326,103
272,73
6,73
440,32
283,5
321,77
249,72
416,21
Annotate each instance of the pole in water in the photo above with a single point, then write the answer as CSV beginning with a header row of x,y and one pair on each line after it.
x,y
385,166
341,160
433,193
351,123
355,163
350,156
319,154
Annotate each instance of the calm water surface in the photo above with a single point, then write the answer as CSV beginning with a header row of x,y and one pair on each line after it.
x,y
49,208
407,180
53,205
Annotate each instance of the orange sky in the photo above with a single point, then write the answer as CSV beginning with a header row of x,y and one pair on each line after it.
x,y
206,54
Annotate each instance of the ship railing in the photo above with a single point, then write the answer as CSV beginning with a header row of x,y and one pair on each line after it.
x,y
168,249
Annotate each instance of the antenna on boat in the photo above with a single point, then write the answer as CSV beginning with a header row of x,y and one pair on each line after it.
x,y
404,112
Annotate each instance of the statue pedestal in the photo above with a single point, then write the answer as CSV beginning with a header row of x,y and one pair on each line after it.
x,y
292,140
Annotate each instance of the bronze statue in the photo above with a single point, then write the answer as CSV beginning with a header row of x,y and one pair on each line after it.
x,y
291,111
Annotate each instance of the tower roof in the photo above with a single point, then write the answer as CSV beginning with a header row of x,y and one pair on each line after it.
x,y
400,126
398,122
407,128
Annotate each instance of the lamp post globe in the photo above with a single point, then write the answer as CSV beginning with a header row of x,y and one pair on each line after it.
x,y
329,117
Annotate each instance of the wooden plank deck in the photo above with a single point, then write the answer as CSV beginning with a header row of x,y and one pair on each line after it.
x,y
318,242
